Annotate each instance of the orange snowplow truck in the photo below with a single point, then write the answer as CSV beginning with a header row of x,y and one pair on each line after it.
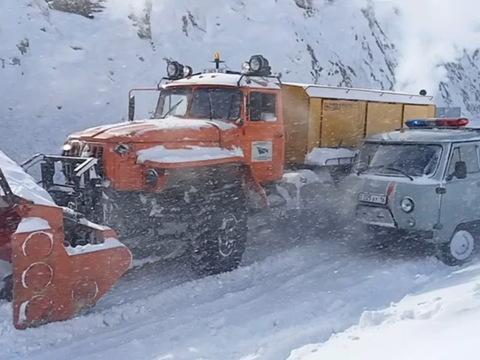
x,y
53,262
218,144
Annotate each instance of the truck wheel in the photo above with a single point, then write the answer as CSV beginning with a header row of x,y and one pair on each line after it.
x,y
6,288
458,250
221,238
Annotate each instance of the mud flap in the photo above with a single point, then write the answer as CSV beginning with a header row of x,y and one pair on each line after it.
x,y
52,282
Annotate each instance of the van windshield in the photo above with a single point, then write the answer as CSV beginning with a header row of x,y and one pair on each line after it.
x,y
200,103
411,160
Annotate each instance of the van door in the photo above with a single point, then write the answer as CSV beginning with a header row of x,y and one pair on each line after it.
x,y
263,133
462,193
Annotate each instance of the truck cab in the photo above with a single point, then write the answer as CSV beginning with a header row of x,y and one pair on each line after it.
x,y
179,182
422,182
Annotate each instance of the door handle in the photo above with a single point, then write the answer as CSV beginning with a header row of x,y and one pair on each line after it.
x,y
440,190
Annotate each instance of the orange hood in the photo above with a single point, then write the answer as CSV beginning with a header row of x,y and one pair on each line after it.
x,y
171,129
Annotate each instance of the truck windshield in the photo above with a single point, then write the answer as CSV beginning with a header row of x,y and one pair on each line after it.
x,y
411,160
201,103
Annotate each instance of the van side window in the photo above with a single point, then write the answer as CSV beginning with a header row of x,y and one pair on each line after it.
x,y
468,154
263,106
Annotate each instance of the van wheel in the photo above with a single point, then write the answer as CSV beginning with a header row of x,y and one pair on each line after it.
x,y
458,250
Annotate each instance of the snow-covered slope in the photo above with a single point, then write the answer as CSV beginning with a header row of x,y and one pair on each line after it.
x,y
62,71
441,321
285,295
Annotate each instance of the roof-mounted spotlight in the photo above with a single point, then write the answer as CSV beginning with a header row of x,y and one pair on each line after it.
x,y
175,70
259,66
187,71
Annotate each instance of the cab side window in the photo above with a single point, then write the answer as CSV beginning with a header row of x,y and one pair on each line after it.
x,y
469,155
263,106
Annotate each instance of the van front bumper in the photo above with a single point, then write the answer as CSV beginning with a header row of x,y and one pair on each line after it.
x,y
375,215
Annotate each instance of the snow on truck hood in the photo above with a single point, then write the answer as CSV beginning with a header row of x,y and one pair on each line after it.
x,y
22,184
187,154
142,127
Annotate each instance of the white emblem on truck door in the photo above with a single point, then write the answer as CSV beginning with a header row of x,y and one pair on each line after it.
x,y
262,151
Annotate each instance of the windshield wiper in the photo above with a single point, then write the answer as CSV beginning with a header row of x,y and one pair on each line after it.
x,y
400,171
366,168
172,109
389,168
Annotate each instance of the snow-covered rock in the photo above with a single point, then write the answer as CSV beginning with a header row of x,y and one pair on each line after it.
x,y
68,70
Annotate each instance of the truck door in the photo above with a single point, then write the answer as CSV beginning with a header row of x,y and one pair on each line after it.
x,y
263,132
462,191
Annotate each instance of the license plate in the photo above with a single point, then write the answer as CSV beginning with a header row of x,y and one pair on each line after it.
x,y
373,198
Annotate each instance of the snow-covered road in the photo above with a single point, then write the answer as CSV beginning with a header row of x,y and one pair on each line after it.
x,y
287,294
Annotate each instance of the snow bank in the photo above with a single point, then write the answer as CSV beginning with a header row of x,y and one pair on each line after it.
x,y
22,184
189,154
284,296
441,322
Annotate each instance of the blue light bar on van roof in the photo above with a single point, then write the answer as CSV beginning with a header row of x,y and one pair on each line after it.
x,y
431,123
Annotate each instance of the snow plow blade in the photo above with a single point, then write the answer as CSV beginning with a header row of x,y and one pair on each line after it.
x,y
53,282
60,262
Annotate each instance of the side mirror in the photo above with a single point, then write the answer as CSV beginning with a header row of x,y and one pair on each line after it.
x,y
131,108
460,170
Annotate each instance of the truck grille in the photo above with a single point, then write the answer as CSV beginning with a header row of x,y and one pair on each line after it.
x,y
85,149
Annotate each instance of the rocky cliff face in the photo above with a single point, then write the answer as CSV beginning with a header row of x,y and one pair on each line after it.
x,y
67,64
462,84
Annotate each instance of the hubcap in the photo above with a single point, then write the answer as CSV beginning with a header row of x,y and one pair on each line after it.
x,y
226,239
462,245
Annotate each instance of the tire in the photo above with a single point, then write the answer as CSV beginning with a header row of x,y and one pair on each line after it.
x,y
459,250
220,237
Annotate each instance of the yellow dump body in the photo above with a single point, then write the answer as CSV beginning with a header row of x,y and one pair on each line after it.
x,y
321,116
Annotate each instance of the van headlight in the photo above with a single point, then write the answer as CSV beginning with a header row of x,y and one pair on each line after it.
x,y
407,204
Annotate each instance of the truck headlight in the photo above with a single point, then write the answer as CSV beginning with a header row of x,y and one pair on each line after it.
x,y
67,147
151,177
86,151
122,149
407,204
